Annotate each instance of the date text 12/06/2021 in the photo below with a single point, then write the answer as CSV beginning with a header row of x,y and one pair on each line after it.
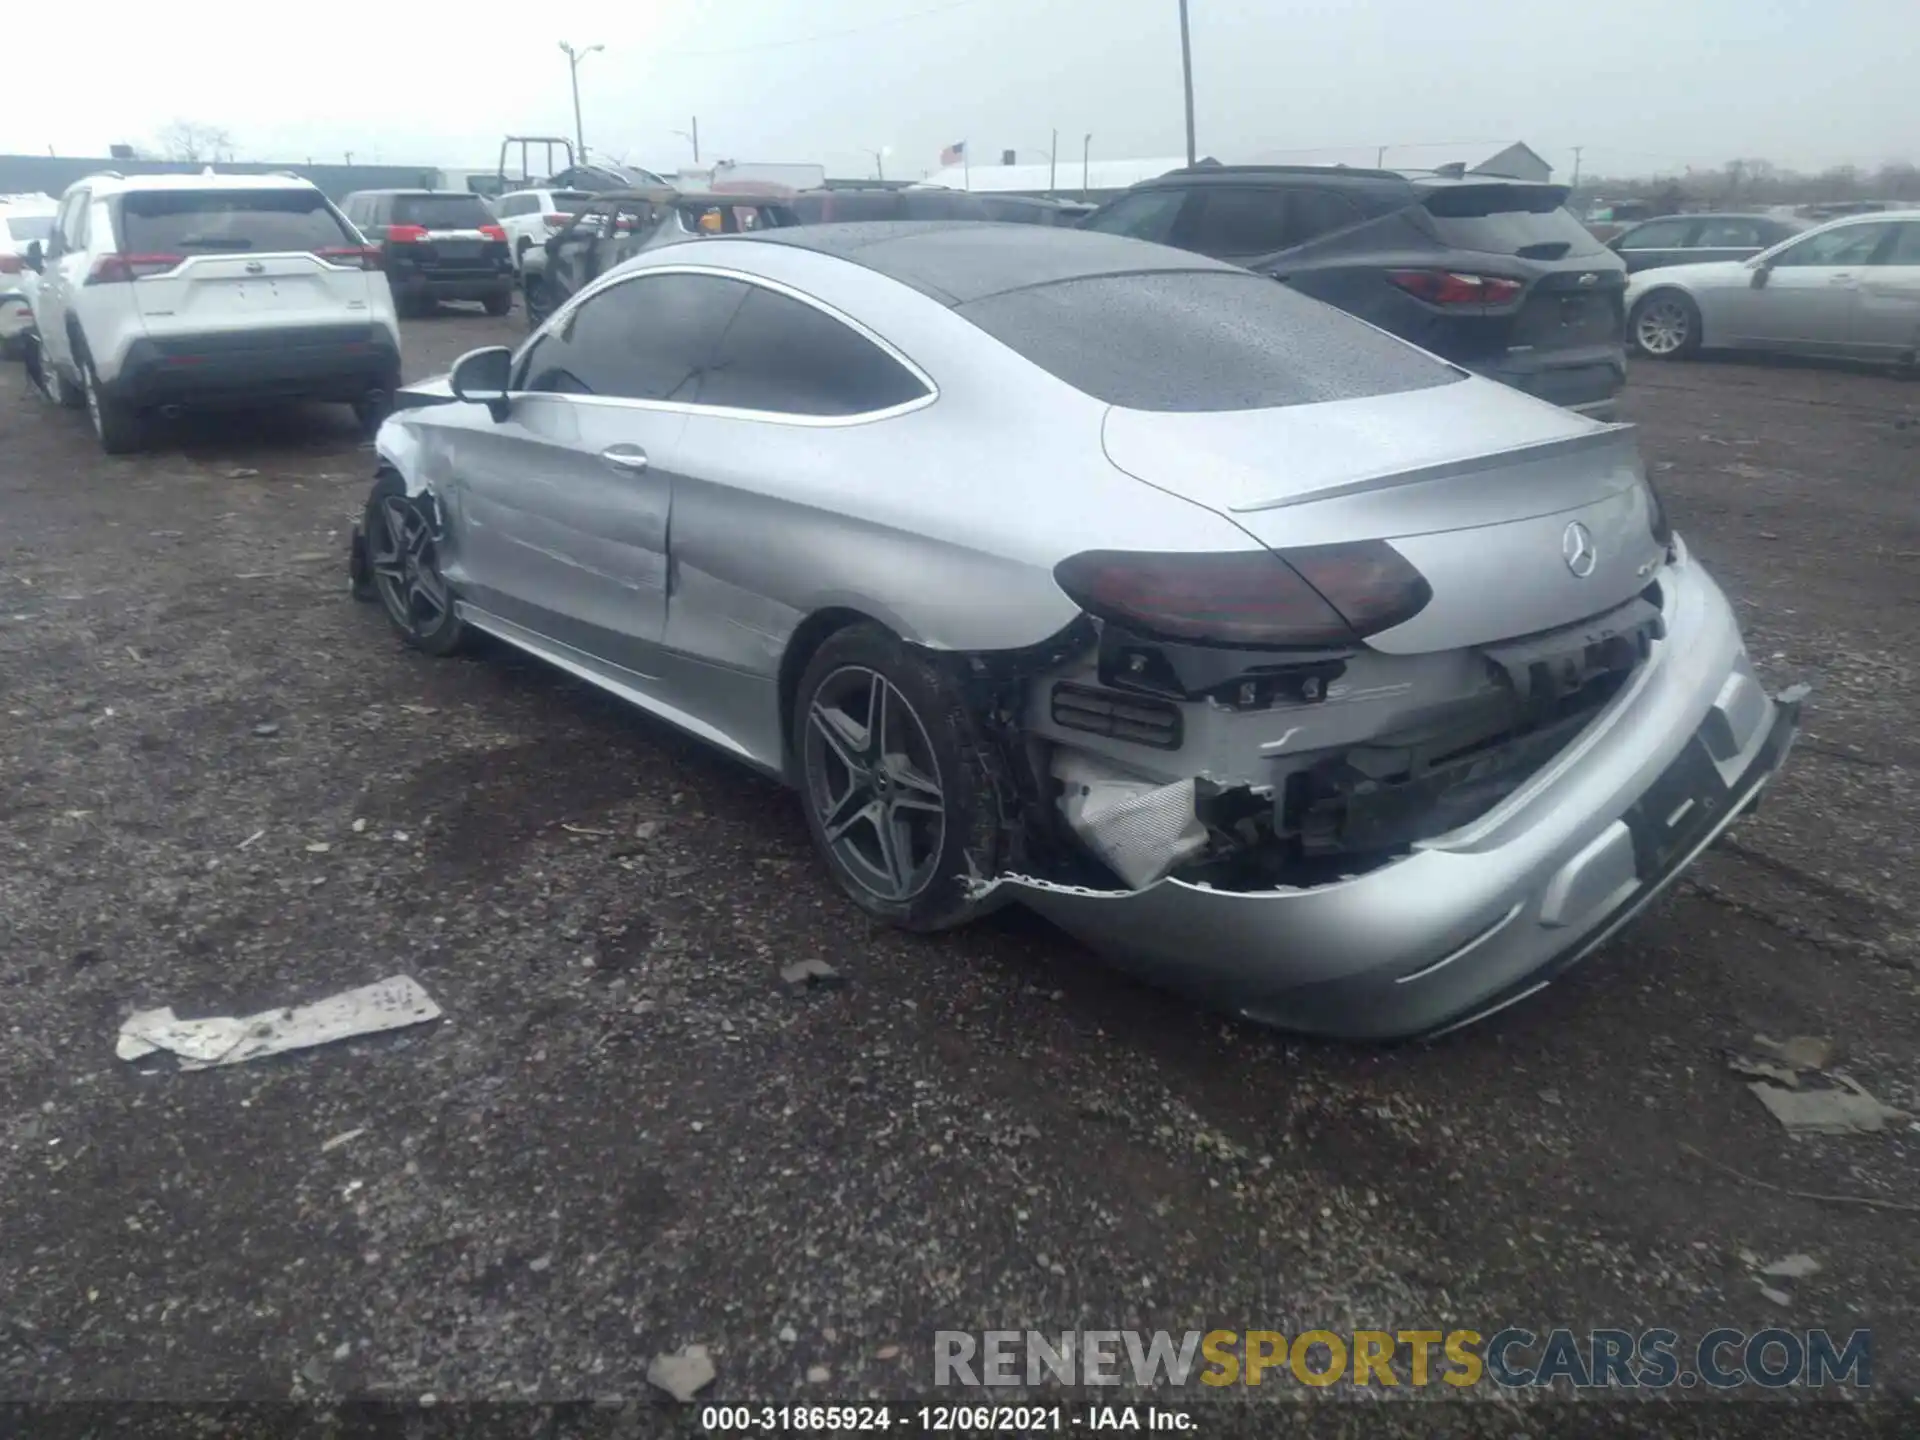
x,y
943,1419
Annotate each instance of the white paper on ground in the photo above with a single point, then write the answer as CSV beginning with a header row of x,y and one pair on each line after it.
x,y
390,1004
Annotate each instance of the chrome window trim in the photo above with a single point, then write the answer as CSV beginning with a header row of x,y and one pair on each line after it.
x,y
727,412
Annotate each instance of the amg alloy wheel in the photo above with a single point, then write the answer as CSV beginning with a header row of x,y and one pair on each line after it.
x,y
896,792
874,783
404,566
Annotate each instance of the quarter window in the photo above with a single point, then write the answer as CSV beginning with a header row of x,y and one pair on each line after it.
x,y
1248,220
782,355
1728,235
1906,246
647,339
1148,215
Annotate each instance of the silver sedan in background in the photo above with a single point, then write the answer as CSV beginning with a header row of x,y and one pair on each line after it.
x,y
1848,290
1277,659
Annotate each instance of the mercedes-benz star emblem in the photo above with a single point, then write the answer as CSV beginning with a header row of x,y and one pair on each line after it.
x,y
1577,549
1589,279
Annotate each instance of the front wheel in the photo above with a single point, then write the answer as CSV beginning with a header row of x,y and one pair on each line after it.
x,y
1665,325
896,791
403,564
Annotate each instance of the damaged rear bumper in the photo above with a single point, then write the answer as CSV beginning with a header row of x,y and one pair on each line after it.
x,y
1476,919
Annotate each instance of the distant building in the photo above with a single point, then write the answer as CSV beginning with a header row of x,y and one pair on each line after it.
x,y
1518,161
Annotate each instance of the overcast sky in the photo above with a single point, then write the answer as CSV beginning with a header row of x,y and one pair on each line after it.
x,y
1644,85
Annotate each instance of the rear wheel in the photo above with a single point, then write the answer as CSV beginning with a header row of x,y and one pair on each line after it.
x,y
118,427
403,564
896,791
1665,325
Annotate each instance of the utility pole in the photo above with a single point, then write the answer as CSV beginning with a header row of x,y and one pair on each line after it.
x,y
1186,75
879,160
1380,157
1052,164
692,137
1086,152
574,57
1576,167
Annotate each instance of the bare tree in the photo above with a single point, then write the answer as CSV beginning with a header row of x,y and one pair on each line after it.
x,y
190,140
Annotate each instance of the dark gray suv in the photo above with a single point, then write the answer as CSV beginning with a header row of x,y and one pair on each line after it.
x,y
1492,274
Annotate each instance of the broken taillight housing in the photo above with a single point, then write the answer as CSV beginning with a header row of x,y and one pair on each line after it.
x,y
1318,595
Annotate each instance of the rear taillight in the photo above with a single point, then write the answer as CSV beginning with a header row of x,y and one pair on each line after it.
x,y
1317,596
1452,287
554,222
10,265
359,257
494,232
406,234
113,269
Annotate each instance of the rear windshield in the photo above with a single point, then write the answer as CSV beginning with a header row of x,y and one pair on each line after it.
x,y
216,222
26,228
1528,220
570,201
441,212
1200,340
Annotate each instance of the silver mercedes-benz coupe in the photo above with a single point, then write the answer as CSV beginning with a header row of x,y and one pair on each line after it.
x,y
1271,656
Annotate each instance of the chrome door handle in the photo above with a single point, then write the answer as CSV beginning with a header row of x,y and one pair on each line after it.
x,y
630,458
1840,279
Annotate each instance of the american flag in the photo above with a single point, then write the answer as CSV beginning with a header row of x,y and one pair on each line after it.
x,y
954,153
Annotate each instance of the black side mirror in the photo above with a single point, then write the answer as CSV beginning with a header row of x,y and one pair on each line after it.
x,y
1760,274
480,378
36,257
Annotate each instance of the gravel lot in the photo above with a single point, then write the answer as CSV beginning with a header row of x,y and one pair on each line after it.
x,y
627,1135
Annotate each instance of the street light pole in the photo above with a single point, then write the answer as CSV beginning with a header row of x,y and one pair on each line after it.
x,y
1186,75
574,57
1050,161
1086,153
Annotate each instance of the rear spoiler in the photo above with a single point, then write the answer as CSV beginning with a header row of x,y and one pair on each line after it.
x,y
1605,438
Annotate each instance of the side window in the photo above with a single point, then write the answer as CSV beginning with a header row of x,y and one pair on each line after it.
x,y
1906,245
1728,234
1660,235
516,205
647,339
57,239
73,222
1145,215
1848,245
1317,212
1242,220
785,356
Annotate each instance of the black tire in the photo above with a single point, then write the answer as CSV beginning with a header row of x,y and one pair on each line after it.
x,y
402,565
120,429
499,304
925,786
1665,325
57,388
370,414
533,290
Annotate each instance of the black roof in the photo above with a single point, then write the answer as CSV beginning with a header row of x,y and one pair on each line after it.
x,y
957,261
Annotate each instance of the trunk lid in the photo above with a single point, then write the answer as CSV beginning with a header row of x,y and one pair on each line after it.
x,y
233,292
1574,283
1500,501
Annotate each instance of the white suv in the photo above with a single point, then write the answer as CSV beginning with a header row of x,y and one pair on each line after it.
x,y
23,220
162,292
530,216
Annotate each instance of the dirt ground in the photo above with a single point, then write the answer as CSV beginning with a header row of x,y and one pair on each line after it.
x,y
628,1135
